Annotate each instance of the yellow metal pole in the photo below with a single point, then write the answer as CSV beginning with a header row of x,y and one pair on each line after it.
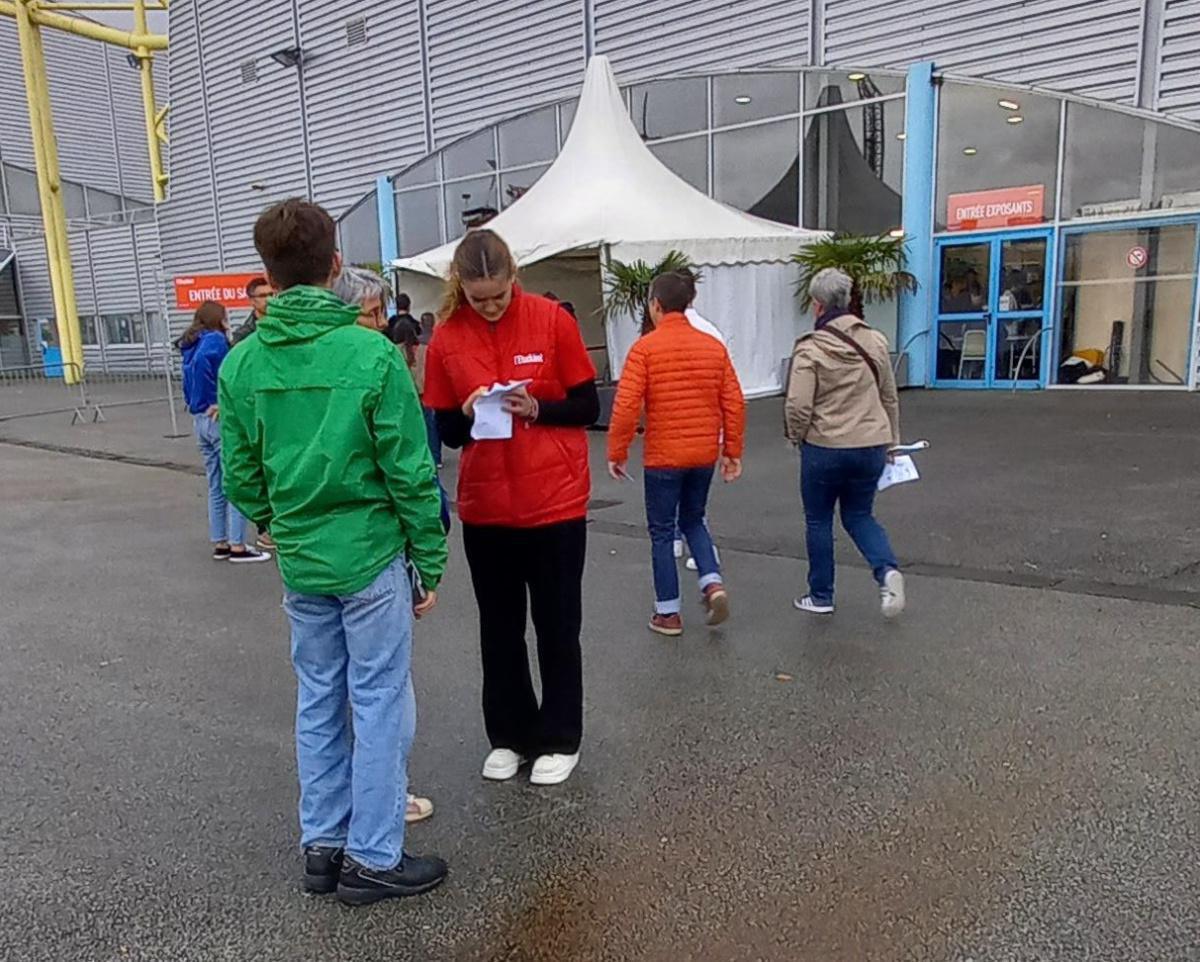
x,y
50,192
45,17
154,136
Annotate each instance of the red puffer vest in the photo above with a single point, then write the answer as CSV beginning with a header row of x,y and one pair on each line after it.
x,y
540,476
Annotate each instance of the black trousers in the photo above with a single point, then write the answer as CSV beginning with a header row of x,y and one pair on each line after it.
x,y
546,565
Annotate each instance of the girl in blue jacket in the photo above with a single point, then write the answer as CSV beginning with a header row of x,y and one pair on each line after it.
x,y
204,345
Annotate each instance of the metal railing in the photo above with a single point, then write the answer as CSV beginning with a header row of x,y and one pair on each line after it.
x,y
34,390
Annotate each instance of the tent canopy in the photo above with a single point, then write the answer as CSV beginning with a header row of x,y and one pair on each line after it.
x,y
607,188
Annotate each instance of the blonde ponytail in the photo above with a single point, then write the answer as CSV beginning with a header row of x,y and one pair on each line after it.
x,y
481,254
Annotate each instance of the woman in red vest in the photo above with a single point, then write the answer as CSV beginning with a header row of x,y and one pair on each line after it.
x,y
522,499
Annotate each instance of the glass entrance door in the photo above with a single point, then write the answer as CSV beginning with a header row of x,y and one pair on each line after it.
x,y
991,310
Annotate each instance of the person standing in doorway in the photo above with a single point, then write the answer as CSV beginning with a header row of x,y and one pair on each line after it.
x,y
322,430
522,500
204,346
693,403
843,410
259,292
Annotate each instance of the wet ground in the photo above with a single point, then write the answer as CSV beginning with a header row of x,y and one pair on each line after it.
x,y
1007,774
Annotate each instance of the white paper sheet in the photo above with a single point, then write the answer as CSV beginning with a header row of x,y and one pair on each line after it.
x,y
898,471
492,422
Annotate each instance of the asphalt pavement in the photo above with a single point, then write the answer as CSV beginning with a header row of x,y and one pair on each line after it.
x,y
1009,773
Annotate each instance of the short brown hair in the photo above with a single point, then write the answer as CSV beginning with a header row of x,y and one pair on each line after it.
x,y
255,284
672,292
297,241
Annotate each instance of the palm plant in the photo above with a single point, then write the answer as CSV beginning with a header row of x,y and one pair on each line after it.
x,y
876,265
627,286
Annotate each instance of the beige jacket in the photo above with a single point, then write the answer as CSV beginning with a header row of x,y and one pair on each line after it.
x,y
832,398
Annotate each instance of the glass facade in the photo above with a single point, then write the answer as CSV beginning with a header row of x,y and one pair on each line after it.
x,y
990,139
1030,173
1128,303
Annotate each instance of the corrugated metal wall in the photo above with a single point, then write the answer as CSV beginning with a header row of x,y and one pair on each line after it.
x,y
1179,67
189,225
499,58
646,38
255,126
488,62
1088,47
83,95
365,101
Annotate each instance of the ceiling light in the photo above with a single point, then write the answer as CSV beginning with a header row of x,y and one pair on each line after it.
x,y
134,61
1015,119
1009,104
743,99
856,77
970,151
902,136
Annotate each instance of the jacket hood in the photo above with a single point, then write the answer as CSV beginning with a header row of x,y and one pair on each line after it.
x,y
302,314
834,346
189,349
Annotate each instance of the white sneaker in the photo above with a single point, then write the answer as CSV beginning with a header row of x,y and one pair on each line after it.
x,y
502,764
892,594
553,769
678,548
812,607
691,562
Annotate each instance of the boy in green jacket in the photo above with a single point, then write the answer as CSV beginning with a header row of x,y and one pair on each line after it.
x,y
323,436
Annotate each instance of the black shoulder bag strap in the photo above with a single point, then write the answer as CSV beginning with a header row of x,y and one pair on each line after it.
x,y
862,352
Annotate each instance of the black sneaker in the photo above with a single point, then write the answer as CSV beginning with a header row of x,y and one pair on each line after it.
x,y
248,557
414,875
322,867
221,552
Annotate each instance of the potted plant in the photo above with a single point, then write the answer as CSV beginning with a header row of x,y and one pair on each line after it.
x,y
876,266
627,295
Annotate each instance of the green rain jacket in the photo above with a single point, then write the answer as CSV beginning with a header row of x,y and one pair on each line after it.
x,y
323,437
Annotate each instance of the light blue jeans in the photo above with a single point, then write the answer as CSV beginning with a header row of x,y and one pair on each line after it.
x,y
225,522
676,499
353,657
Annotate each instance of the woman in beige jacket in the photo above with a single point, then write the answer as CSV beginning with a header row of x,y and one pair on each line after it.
x,y
843,411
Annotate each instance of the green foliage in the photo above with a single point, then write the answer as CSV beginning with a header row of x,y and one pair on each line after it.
x,y
627,286
876,265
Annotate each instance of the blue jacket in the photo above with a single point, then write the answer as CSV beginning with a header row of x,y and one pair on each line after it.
x,y
201,361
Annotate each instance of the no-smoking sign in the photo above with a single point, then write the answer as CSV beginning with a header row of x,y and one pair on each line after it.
x,y
1137,257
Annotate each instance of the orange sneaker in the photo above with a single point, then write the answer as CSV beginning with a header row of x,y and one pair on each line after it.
x,y
669,625
716,604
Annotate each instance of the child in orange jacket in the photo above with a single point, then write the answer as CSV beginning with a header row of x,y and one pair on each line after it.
x,y
686,384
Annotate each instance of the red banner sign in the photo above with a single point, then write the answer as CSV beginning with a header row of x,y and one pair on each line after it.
x,y
1004,207
229,289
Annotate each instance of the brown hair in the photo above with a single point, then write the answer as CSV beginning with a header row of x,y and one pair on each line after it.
x,y
672,291
297,241
209,316
481,254
255,284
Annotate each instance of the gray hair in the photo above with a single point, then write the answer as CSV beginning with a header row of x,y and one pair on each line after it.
x,y
356,285
831,287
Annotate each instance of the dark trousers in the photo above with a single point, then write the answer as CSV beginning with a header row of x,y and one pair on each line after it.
x,y
544,565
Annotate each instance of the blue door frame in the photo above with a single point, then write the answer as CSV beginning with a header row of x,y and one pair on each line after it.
x,y
995,316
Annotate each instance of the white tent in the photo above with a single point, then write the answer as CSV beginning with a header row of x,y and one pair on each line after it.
x,y
607,195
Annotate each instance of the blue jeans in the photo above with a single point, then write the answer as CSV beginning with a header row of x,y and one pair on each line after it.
x,y
355,653
671,494
829,476
225,522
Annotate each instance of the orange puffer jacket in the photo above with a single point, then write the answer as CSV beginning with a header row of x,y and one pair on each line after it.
x,y
685,381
